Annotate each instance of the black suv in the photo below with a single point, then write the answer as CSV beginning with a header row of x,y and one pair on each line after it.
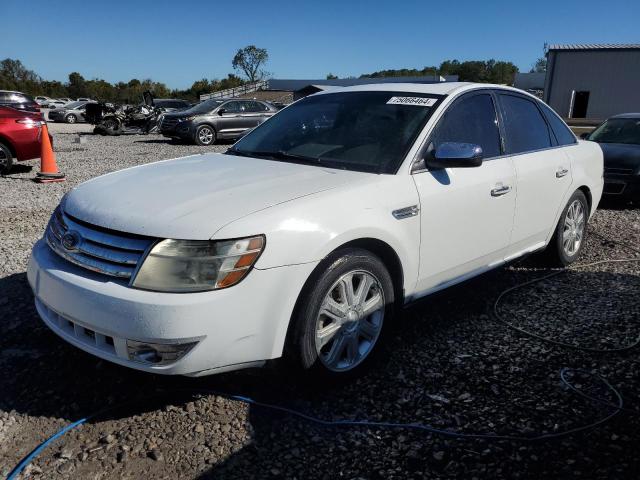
x,y
18,100
214,120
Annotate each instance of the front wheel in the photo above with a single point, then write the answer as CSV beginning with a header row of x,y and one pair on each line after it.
x,y
71,118
338,324
570,234
205,135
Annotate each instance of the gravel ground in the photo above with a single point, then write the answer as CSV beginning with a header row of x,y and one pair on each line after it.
x,y
448,363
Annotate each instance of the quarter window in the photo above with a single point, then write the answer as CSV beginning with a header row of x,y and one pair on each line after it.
x,y
563,135
525,128
471,120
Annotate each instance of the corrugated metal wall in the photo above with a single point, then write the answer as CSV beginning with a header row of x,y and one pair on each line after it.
x,y
611,76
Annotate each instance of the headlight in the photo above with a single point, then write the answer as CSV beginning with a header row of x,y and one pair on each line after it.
x,y
196,265
187,119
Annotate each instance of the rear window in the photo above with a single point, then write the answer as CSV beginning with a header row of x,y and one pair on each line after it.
x,y
14,97
525,128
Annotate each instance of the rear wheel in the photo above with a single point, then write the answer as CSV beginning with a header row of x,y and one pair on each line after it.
x,y
205,135
6,159
338,324
71,118
570,235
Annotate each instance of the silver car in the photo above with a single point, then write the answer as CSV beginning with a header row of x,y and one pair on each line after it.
x,y
73,112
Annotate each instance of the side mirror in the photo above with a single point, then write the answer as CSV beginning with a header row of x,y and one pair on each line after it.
x,y
585,135
455,155
221,111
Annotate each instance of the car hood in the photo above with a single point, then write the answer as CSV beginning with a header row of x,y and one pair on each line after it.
x,y
193,197
621,155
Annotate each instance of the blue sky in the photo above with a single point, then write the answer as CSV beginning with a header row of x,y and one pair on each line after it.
x,y
177,42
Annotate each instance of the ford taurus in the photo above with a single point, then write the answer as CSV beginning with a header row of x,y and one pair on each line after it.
x,y
305,237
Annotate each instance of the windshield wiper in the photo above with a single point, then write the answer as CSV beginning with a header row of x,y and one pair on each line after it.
x,y
279,155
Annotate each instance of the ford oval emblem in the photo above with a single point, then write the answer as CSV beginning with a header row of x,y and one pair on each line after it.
x,y
71,240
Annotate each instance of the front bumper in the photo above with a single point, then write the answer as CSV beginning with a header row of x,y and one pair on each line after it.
x,y
627,186
184,130
236,327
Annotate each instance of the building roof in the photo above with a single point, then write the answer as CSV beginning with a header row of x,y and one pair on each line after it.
x,y
530,81
596,46
295,84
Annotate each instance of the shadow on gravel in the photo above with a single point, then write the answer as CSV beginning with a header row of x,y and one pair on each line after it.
x,y
18,168
447,364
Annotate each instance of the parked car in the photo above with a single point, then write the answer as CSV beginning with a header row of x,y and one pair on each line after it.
x,y
84,99
43,101
214,120
20,133
619,138
66,99
304,238
56,103
171,104
18,100
73,112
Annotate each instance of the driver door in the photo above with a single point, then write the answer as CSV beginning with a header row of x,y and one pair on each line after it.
x,y
466,213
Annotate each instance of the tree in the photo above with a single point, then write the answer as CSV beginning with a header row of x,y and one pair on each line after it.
x,y
540,65
249,60
331,76
77,85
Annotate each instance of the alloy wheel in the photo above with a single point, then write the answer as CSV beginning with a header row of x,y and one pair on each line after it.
x,y
350,321
205,135
573,231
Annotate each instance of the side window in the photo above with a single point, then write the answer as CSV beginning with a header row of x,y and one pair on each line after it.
x,y
232,107
255,107
525,128
563,134
471,120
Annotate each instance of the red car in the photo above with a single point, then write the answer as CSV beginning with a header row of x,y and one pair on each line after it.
x,y
20,133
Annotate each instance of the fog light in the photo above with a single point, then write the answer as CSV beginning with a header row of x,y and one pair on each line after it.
x,y
157,353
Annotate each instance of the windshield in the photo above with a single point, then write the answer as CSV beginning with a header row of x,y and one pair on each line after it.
x,y
363,131
74,104
618,130
203,107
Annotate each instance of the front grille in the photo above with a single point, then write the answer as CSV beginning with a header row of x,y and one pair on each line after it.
x,y
168,123
618,171
104,251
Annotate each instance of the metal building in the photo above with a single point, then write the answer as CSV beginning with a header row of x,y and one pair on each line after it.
x,y
593,81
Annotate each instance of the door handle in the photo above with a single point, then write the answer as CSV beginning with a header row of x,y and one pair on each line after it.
x,y
500,190
561,172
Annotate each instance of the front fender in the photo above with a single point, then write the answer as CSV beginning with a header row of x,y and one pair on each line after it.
x,y
308,229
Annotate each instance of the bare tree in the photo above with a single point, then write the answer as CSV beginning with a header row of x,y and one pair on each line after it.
x,y
249,60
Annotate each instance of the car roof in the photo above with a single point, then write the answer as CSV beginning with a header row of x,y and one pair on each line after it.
x,y
441,88
627,115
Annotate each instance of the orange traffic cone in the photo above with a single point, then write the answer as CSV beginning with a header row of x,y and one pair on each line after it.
x,y
48,168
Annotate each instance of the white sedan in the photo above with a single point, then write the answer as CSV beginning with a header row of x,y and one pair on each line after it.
x,y
308,234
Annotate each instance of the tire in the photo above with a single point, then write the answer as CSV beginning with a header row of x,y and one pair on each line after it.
x,y
6,160
109,126
342,343
567,241
205,135
71,118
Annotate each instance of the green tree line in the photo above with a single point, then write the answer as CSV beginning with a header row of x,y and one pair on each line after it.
x,y
483,71
15,76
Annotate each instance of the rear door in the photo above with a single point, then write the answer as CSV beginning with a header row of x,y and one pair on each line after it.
x,y
543,171
232,121
466,214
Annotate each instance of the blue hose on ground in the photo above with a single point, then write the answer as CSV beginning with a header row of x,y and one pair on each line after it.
x,y
366,423
617,407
